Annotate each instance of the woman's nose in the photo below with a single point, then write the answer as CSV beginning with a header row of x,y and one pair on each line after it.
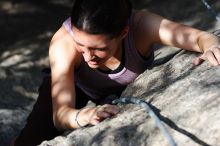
x,y
88,55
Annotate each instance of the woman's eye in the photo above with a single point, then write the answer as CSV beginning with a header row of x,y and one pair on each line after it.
x,y
100,49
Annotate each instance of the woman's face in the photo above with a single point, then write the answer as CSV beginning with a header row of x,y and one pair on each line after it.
x,y
96,49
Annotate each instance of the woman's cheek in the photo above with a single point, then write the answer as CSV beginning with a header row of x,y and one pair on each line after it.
x,y
102,54
79,49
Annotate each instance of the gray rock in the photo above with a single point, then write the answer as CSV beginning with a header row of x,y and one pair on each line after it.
x,y
184,97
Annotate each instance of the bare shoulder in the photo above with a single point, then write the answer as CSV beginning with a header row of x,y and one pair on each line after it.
x,y
62,50
146,23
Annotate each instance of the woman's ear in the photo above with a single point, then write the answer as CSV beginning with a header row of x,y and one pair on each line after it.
x,y
124,32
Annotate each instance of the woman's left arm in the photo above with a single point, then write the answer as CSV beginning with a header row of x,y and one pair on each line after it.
x,y
164,31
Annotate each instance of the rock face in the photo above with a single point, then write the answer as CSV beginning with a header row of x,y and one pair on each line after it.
x,y
184,97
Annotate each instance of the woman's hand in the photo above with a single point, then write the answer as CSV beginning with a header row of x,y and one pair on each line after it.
x,y
100,113
212,55
93,116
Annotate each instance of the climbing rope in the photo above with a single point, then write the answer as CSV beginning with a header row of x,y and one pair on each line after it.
x,y
128,100
212,11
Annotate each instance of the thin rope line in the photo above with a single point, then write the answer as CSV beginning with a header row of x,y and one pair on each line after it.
x,y
211,10
127,100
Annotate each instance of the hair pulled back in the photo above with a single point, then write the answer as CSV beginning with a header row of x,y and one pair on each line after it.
x,y
108,17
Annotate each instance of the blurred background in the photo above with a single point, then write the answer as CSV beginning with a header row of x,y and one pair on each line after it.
x,y
26,27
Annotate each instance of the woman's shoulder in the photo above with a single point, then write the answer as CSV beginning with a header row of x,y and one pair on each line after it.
x,y
146,24
141,29
62,47
141,17
62,35
61,39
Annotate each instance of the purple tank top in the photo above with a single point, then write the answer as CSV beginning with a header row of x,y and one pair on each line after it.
x,y
97,84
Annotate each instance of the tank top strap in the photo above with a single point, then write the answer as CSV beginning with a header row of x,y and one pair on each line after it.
x,y
68,26
129,43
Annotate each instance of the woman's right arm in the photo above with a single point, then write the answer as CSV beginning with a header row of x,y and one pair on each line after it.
x,y
63,59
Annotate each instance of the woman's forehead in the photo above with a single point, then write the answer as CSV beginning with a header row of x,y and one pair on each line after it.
x,y
90,40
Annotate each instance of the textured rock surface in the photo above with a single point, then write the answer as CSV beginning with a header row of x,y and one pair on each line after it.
x,y
185,98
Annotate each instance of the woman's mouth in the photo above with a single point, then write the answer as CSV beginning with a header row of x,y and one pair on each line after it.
x,y
94,61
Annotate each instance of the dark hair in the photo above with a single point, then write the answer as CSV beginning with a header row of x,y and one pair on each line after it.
x,y
107,17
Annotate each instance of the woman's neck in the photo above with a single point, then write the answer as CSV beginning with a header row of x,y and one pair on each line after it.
x,y
113,62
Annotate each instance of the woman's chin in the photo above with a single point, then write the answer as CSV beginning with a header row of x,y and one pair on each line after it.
x,y
93,64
